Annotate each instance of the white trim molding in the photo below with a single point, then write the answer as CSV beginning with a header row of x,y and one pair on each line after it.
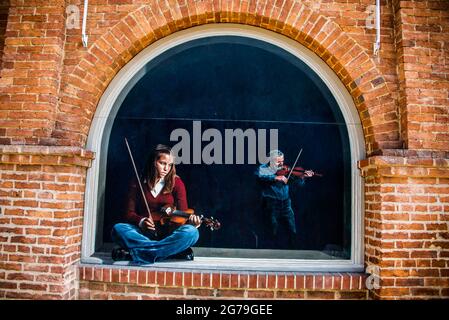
x,y
132,72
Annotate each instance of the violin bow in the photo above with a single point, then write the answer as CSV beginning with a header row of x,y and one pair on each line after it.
x,y
293,167
138,180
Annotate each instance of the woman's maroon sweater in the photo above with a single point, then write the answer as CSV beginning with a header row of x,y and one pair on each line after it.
x,y
136,209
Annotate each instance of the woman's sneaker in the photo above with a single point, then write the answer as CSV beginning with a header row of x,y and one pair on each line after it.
x,y
121,254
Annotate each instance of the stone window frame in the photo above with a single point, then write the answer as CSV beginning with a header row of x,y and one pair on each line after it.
x,y
134,70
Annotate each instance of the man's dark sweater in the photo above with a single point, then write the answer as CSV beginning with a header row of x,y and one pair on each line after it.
x,y
270,187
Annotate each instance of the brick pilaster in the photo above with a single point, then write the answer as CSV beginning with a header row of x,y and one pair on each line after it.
x,y
421,29
30,77
4,9
406,223
42,199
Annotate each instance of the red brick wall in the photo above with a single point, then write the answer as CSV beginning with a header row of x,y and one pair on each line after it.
x,y
50,86
4,8
141,284
423,69
32,62
118,30
42,192
406,222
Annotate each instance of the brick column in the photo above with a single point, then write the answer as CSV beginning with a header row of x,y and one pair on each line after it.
x,y
422,39
4,8
41,218
406,223
30,74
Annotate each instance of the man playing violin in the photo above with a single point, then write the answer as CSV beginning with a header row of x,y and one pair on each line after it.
x,y
275,194
137,236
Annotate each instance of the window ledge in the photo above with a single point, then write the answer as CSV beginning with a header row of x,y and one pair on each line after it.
x,y
234,264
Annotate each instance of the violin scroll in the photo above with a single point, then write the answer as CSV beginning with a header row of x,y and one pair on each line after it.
x,y
211,223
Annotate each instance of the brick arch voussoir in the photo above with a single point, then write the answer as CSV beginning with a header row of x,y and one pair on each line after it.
x,y
352,64
357,71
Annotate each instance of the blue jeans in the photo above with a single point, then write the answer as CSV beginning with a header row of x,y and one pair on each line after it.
x,y
145,250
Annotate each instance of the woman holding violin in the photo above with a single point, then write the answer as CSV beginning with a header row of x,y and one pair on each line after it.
x,y
142,238
274,178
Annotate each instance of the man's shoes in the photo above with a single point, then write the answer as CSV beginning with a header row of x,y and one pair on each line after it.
x,y
121,254
184,255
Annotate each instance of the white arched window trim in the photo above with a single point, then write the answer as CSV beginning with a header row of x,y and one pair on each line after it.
x,y
134,70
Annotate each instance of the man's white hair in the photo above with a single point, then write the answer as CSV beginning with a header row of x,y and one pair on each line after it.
x,y
275,153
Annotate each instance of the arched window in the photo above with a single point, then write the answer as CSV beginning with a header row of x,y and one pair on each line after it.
x,y
235,82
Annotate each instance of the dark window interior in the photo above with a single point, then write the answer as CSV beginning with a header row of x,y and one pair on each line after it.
x,y
228,83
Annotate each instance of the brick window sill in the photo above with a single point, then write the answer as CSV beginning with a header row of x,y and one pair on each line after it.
x,y
149,282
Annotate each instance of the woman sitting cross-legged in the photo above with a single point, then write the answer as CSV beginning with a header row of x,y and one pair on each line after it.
x,y
137,237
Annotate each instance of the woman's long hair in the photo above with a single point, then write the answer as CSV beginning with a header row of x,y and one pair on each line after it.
x,y
151,174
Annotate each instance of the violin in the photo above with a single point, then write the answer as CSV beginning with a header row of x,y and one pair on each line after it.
x,y
297,172
169,215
